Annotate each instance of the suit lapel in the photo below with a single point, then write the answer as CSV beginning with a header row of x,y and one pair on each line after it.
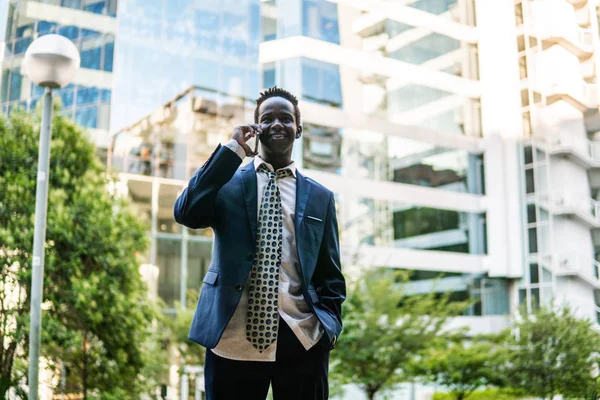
x,y
249,185
302,193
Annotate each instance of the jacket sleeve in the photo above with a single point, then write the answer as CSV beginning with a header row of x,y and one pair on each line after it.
x,y
328,277
195,207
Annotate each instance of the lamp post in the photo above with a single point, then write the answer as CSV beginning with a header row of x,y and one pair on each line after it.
x,y
51,62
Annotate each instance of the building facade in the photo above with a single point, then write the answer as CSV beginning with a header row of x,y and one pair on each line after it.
x,y
460,136
91,25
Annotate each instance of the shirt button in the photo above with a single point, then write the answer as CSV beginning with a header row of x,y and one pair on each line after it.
x,y
250,256
238,288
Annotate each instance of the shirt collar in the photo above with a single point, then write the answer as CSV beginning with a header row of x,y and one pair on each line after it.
x,y
258,161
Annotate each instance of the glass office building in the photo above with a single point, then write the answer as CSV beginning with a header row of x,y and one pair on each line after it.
x,y
91,25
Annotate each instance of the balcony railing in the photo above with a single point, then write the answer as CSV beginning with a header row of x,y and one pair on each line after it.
x,y
565,33
585,208
586,150
576,264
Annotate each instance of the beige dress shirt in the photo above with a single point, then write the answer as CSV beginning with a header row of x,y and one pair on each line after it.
x,y
293,309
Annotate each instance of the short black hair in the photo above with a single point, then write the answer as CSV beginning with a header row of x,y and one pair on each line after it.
x,y
277,92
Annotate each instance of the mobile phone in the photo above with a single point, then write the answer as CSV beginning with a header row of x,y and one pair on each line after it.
x,y
256,140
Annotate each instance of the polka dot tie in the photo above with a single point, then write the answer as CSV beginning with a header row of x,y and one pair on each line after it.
x,y
262,319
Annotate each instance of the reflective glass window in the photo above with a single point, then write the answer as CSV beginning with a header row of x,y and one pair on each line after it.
x,y
199,256
91,51
167,195
321,83
21,45
140,194
87,95
109,49
269,75
66,96
71,4
96,8
16,82
426,48
71,32
432,6
23,31
168,259
534,273
105,95
320,20
44,27
87,116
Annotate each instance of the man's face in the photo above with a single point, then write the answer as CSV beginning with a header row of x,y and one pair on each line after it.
x,y
279,126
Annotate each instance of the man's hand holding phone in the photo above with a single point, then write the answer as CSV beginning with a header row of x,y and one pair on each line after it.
x,y
243,133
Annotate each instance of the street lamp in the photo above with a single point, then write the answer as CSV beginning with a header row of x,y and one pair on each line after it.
x,y
51,62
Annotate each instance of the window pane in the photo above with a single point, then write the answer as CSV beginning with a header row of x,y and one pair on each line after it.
x,y
522,296
87,116
529,186
533,247
199,256
71,32
319,20
96,8
44,27
321,83
535,299
71,4
530,213
432,6
167,194
16,82
91,50
140,193
168,258
528,153
87,95
109,50
534,273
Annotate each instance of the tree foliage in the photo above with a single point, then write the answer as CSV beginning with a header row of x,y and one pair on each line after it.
x,y
96,313
553,352
462,365
384,329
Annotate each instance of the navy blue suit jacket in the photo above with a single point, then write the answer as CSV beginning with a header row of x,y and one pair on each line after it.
x,y
223,197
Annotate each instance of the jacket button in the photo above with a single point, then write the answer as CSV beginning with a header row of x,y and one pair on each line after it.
x,y
239,288
250,256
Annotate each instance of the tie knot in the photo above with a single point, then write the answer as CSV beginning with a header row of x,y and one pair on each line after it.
x,y
279,174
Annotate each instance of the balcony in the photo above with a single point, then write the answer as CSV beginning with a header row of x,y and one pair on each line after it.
x,y
582,95
579,149
574,38
586,210
571,264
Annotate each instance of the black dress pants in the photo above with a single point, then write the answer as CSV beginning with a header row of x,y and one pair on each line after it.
x,y
296,374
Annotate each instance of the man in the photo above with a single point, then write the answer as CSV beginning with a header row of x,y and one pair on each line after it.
x,y
270,307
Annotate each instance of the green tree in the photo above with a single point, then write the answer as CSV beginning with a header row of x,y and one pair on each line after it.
x,y
97,319
384,330
462,365
553,352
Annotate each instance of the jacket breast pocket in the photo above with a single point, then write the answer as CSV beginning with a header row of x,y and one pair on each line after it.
x,y
211,277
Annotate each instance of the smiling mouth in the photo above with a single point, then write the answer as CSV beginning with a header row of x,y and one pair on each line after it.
x,y
278,136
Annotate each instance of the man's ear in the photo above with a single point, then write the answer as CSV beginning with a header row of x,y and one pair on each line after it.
x,y
299,131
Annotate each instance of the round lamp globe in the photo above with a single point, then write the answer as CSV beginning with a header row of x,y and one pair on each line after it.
x,y
51,61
